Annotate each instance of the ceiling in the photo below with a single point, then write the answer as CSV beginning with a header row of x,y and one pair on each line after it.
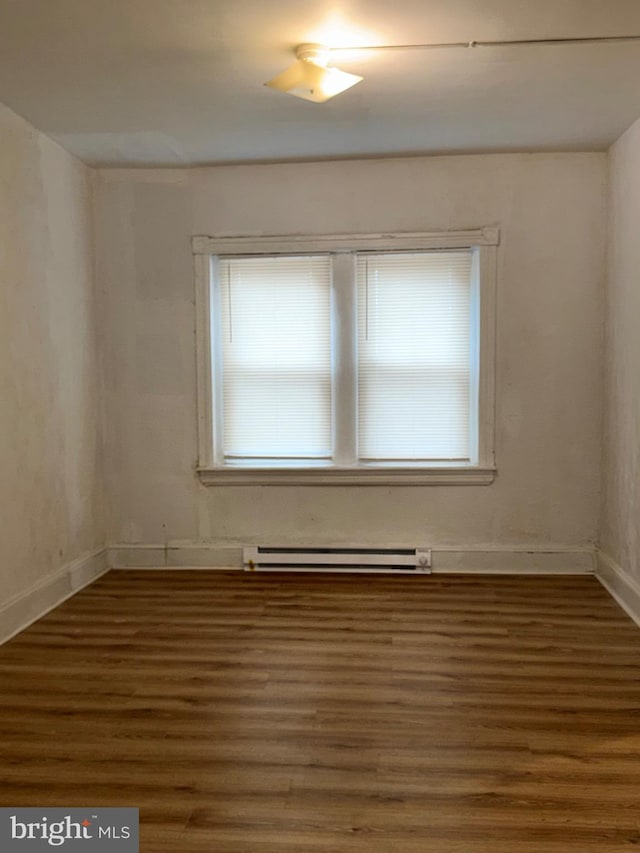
x,y
179,82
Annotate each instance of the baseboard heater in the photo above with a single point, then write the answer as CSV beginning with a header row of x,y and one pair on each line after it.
x,y
377,560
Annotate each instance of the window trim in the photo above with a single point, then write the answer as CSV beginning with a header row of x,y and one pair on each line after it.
x,y
206,249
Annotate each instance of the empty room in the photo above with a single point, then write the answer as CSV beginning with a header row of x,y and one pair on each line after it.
x,y
320,426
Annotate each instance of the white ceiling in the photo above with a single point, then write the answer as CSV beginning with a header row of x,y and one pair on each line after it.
x,y
175,82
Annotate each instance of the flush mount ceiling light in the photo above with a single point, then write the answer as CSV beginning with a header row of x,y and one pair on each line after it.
x,y
311,79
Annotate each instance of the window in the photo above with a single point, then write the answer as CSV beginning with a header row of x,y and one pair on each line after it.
x,y
275,337
363,359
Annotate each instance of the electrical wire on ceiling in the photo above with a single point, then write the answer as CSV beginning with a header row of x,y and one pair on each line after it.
x,y
312,79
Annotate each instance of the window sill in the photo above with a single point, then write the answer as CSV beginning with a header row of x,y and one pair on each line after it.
x,y
326,476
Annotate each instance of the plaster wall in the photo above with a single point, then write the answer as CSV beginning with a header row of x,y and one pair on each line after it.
x,y
550,209
51,484
620,523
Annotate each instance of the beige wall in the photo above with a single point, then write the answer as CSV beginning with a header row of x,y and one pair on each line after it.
x,y
620,526
51,504
550,209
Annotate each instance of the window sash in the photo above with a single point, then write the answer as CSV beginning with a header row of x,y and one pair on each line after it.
x,y
275,349
415,360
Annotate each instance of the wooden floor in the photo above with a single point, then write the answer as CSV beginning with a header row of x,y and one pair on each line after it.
x,y
293,713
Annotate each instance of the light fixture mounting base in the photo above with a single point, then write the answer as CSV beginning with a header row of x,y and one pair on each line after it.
x,y
316,53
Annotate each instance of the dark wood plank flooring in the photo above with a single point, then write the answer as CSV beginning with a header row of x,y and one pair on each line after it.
x,y
296,713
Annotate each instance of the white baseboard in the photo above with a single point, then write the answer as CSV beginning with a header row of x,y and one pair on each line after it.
x,y
24,609
184,556
466,561
619,584
505,561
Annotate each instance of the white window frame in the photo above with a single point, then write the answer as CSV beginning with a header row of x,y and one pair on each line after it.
x,y
344,471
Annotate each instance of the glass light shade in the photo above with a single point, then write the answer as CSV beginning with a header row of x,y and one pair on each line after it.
x,y
313,82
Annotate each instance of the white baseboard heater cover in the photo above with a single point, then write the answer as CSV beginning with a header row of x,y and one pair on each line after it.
x,y
378,560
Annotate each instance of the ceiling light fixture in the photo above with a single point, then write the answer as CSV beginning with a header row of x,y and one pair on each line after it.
x,y
311,79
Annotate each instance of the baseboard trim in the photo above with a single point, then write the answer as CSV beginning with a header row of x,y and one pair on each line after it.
x,y
445,560
619,584
27,607
196,556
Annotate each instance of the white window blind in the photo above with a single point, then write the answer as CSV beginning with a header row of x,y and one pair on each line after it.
x,y
275,320
414,356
